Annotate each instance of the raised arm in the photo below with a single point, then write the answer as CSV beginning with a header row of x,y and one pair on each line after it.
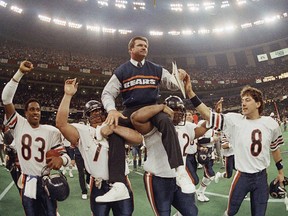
x,y
196,102
68,131
11,87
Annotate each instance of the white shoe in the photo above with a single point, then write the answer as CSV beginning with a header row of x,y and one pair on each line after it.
x,y
71,174
201,197
64,171
84,196
117,192
217,177
177,214
185,183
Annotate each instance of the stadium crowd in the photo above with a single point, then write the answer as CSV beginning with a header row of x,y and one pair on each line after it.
x,y
208,81
204,77
47,87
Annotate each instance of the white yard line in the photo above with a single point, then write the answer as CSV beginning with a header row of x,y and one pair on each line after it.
x,y
6,190
226,196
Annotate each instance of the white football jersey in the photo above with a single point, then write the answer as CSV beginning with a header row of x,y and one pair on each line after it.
x,y
94,150
251,140
186,135
229,151
33,143
157,159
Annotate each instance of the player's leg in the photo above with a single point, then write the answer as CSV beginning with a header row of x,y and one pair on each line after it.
x,y
159,193
139,153
116,162
70,153
238,190
169,138
124,207
191,165
99,208
229,166
259,196
29,204
50,206
208,177
81,174
134,154
185,203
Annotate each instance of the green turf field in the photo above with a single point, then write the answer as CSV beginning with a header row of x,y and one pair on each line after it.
x,y
10,204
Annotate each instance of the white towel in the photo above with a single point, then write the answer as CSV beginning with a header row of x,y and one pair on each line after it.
x,y
31,187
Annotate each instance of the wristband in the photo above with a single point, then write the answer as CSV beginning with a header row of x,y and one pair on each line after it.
x,y
279,165
195,101
17,76
64,160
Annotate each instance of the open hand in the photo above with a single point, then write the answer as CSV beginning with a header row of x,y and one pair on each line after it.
x,y
113,117
71,86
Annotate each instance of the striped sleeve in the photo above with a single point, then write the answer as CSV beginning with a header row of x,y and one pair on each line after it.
x,y
12,121
277,143
216,121
277,138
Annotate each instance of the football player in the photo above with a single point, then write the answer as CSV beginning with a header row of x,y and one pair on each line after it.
x,y
227,151
92,143
32,141
252,137
160,180
229,161
206,143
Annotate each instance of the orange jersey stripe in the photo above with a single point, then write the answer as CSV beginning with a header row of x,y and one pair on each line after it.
x,y
139,87
141,76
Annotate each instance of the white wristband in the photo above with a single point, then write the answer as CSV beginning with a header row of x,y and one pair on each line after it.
x,y
65,160
17,76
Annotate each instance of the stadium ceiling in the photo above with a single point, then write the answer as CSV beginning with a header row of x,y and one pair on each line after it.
x,y
201,24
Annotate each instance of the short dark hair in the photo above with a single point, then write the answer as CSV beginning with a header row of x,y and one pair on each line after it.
x,y
131,43
30,101
256,94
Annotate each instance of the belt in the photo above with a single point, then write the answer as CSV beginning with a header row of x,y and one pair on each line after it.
x,y
98,182
254,174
